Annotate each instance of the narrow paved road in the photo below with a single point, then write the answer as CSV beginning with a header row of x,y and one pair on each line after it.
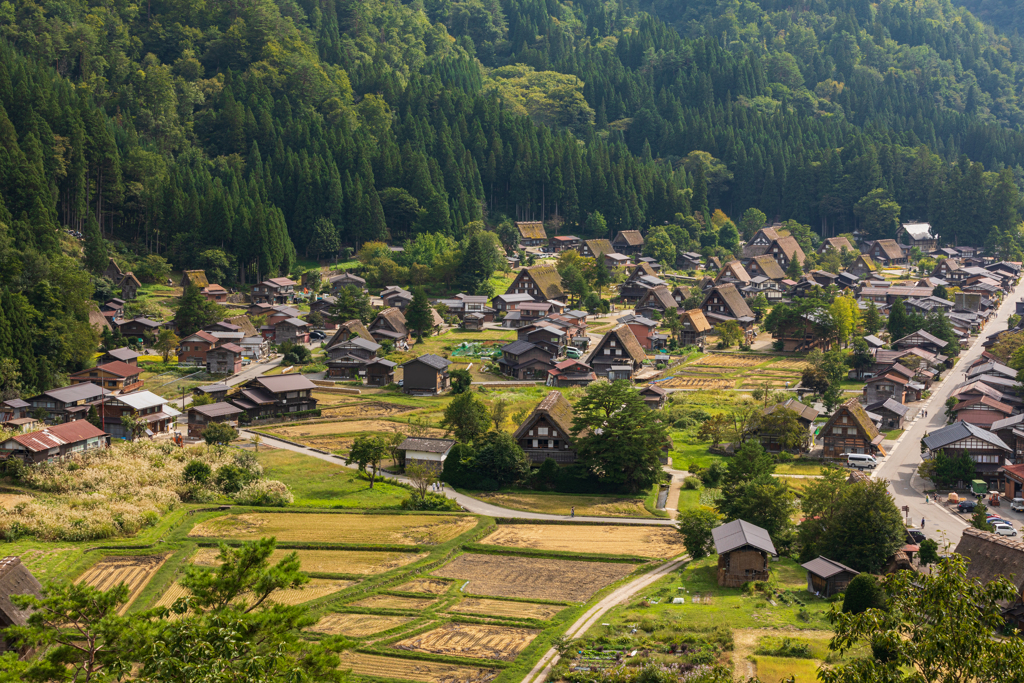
x,y
470,504
900,468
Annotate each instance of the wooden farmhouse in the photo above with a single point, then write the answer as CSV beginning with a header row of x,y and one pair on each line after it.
x,y
338,282
201,417
430,453
835,243
850,430
743,549
733,271
723,303
863,266
628,242
276,396
657,300
427,374
15,579
827,577
992,557
641,279
524,360
117,377
546,431
618,355
349,329
921,340
531,233
543,283
918,235
987,450
123,354
694,328
154,410
389,324
596,248
130,286
348,359
886,252
380,372
55,443
766,266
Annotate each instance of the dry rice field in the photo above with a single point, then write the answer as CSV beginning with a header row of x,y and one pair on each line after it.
x,y
507,608
645,541
363,409
429,586
357,625
329,561
316,588
133,571
394,602
414,670
533,578
332,428
479,641
337,528
696,383
722,360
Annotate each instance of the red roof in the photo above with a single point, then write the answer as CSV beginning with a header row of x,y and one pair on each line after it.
x,y
233,348
205,336
58,435
118,368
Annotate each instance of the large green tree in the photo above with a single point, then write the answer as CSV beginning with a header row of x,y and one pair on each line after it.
x,y
195,312
617,437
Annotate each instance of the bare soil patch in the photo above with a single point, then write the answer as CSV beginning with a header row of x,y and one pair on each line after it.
x,y
480,641
507,608
429,586
533,578
646,541
414,670
357,625
394,602
337,528
133,571
329,561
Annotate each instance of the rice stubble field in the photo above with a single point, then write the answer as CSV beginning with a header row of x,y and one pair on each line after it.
x,y
135,571
507,608
316,588
661,542
337,528
328,561
377,666
479,641
357,625
394,602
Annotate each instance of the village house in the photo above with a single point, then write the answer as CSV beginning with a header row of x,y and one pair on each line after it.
x,y
123,355
525,361
654,396
892,412
396,297
543,283
885,252
139,328
201,417
646,332
389,324
616,260
14,409
323,306
690,260
117,377
826,577
743,550
225,359
510,302
553,340
338,282
618,355
628,242
67,404
130,286
891,385
193,348
921,340
349,329
16,579
546,432
380,372
160,418
680,294
805,415
863,266
657,301
950,270
463,306
54,444
693,328
531,233
723,303
348,359
276,395
571,373
193,278
836,244
214,293
255,348
888,295
850,430
562,243
427,374
595,248
640,280
763,265
803,333
113,271
734,272
987,450
992,557
917,235
278,290
293,330
785,250
983,411
427,452
217,392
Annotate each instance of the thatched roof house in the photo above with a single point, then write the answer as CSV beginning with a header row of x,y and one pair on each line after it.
x,y
15,579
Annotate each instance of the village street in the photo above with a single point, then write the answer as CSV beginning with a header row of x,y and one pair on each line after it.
x,y
900,467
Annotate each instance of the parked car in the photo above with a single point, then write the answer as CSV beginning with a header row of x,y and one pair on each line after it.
x,y
917,535
318,335
966,506
1005,530
997,520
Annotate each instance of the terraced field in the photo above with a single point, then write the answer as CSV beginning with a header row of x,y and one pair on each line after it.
x,y
337,528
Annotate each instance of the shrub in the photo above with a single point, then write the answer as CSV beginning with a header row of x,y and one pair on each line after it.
x,y
231,478
863,594
266,493
772,647
432,502
691,483
197,472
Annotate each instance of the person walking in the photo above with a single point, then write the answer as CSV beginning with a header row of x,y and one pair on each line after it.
x,y
572,512
922,522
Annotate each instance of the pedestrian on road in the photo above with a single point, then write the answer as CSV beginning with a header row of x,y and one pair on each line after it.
x,y
922,522
572,512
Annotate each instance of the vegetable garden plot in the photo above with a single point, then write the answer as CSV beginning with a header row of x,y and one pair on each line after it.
x,y
507,608
533,578
645,541
357,625
414,670
133,571
329,561
337,528
479,641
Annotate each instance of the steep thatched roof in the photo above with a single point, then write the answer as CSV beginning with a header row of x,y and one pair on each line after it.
x,y
659,294
531,230
196,278
859,415
15,579
791,248
628,341
631,237
868,262
838,243
697,319
393,317
736,270
770,267
732,298
600,247
244,325
548,280
992,556
556,408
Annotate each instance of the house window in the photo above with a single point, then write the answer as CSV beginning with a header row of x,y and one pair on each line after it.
x,y
837,430
542,431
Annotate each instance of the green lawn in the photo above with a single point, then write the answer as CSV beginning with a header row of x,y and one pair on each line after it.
x,y
893,434
805,467
317,483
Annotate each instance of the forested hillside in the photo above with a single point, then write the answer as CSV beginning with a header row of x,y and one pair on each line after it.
x,y
248,133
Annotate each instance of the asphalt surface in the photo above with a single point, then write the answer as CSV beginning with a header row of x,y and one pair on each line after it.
x,y
900,467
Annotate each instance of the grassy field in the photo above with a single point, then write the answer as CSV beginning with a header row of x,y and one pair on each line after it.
x,y
561,503
316,483
804,467
893,434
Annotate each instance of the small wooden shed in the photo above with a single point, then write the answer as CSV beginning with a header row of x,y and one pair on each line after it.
x,y
743,549
15,579
827,577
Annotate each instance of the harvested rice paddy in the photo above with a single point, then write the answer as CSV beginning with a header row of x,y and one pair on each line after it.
x,y
479,641
135,571
507,608
376,666
358,625
329,561
645,541
316,588
338,528
394,602
429,586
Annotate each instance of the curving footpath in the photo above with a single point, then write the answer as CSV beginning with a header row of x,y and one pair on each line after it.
x,y
542,670
469,504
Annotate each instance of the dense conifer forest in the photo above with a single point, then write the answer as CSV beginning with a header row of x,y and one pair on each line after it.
x,y
244,135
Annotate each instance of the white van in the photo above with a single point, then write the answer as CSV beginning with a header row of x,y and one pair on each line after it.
x,y
861,461
1004,529
1017,505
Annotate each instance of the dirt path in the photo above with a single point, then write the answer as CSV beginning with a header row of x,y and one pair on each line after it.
x,y
672,501
745,642
542,670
